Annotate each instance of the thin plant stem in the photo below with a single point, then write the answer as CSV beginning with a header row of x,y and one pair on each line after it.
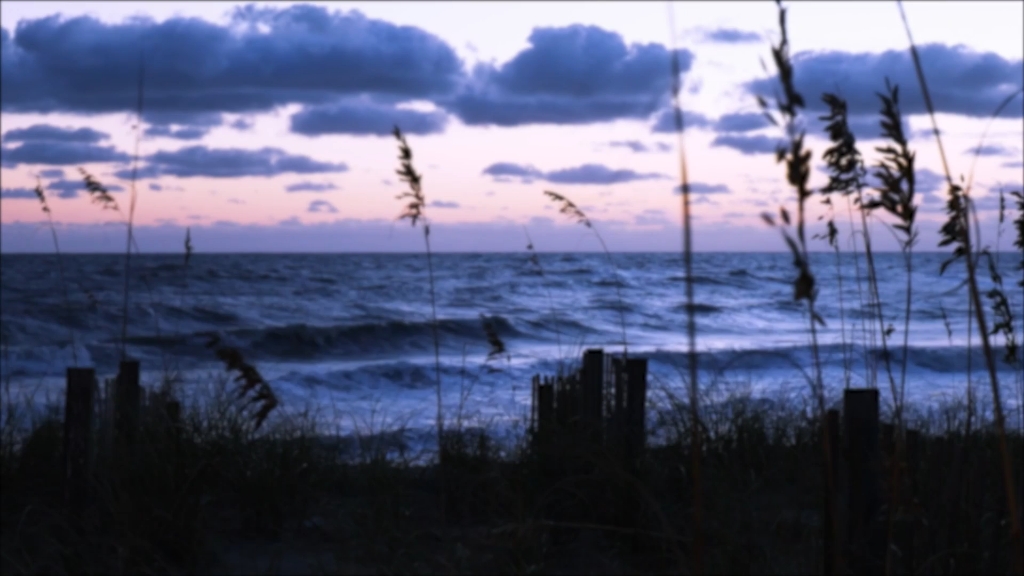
x,y
60,265
797,161
570,209
858,282
691,323
131,209
414,212
535,260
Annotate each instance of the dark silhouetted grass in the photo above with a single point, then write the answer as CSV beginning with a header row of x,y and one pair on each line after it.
x,y
211,494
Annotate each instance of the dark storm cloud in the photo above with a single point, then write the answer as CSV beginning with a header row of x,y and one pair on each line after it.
x,y
232,163
731,36
365,118
49,133
182,118
72,188
571,75
961,81
665,121
140,173
503,171
17,193
597,174
59,154
584,174
310,187
322,206
266,57
741,122
756,144
703,188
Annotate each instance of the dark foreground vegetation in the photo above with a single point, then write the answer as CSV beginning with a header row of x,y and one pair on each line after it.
x,y
204,493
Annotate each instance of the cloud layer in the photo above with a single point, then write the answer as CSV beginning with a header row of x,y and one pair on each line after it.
x,y
233,163
267,57
583,174
348,72
572,75
960,80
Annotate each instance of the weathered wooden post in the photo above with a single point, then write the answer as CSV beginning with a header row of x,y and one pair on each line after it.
x,y
908,527
616,435
636,398
78,409
832,541
545,409
126,412
534,391
592,396
861,437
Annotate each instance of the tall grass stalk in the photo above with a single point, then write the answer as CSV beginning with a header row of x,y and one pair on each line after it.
x,y
60,264
831,236
535,261
414,213
570,209
847,176
131,208
797,161
895,172
691,322
798,169
956,231
101,195
866,332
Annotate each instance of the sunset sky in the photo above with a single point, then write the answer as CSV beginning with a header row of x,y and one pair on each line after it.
x,y
267,127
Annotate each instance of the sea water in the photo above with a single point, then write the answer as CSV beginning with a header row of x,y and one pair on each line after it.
x,y
352,335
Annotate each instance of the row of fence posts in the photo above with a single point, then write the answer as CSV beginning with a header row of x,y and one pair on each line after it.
x,y
575,415
118,427
587,420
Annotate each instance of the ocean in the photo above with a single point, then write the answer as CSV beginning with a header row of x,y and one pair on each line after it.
x,y
351,334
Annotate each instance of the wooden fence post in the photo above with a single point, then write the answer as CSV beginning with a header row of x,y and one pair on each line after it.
x,y
636,398
861,437
534,391
127,397
908,529
545,409
78,409
833,540
592,395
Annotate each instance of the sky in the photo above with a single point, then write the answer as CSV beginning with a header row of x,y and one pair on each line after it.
x,y
267,127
